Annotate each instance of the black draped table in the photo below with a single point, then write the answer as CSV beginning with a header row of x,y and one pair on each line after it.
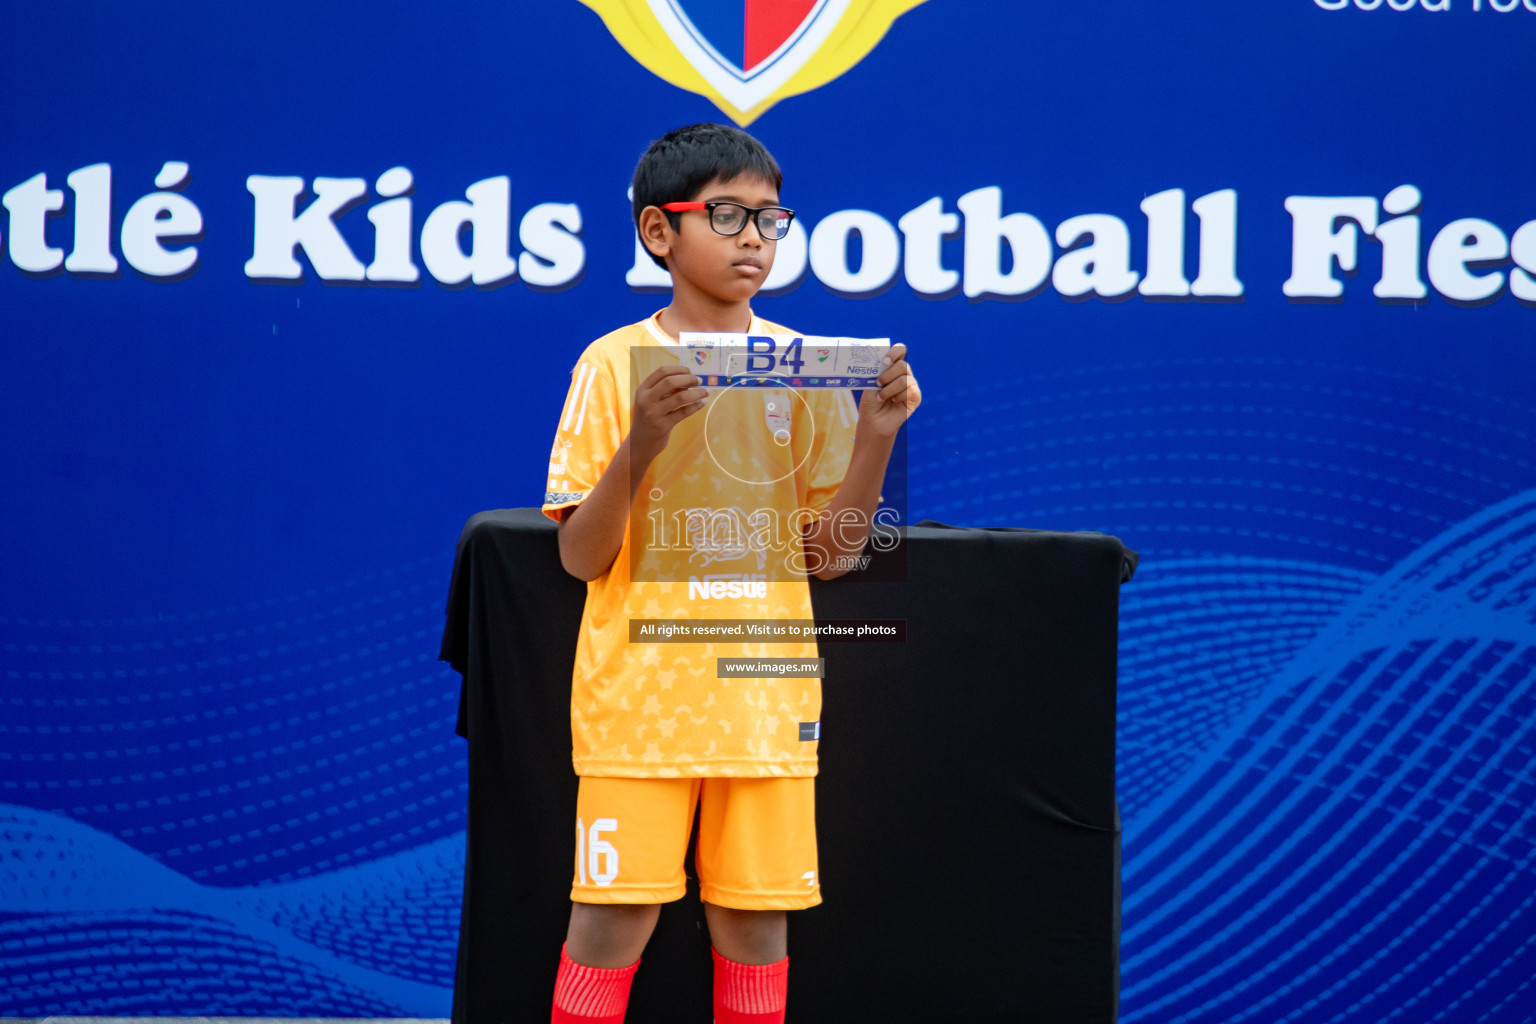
x,y
965,806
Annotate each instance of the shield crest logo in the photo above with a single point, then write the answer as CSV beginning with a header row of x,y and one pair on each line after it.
x,y
746,55
700,350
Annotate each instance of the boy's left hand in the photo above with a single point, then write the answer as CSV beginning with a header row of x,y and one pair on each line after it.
x,y
885,409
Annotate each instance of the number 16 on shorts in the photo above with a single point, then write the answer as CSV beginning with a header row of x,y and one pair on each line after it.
x,y
595,853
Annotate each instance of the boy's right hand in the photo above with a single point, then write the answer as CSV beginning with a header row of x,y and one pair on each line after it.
x,y
663,400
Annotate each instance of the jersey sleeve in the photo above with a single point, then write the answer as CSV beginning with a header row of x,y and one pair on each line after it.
x,y
586,438
831,447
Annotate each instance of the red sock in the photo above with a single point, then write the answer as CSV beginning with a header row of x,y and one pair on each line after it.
x,y
750,994
591,995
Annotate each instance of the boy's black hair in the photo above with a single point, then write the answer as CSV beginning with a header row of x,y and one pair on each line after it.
x,y
682,162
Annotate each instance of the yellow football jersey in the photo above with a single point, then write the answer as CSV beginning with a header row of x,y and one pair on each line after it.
x,y
714,533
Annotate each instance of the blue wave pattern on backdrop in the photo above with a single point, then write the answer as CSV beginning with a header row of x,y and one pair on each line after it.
x,y
1372,810
229,783
266,814
104,929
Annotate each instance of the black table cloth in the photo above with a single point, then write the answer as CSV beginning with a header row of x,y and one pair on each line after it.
x,y
966,818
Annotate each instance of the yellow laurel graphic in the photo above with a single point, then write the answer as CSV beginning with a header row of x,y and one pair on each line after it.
x,y
860,28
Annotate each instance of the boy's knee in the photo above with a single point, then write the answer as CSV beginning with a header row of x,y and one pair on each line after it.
x,y
610,934
748,936
615,918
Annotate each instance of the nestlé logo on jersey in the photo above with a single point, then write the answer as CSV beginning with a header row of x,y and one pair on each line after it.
x,y
725,586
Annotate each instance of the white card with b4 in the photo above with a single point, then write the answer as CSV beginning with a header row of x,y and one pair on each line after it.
x,y
781,360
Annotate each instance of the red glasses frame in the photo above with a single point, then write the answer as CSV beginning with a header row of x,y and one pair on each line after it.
x,y
752,212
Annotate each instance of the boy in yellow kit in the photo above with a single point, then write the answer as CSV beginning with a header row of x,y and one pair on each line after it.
x,y
635,474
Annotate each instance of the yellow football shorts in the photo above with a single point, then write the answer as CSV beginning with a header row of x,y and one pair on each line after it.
x,y
756,848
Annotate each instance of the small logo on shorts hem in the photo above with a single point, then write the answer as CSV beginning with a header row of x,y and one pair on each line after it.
x,y
810,731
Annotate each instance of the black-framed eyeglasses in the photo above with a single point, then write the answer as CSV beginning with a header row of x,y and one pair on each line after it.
x,y
729,218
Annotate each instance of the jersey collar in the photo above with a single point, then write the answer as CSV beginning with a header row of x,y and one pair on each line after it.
x,y
661,337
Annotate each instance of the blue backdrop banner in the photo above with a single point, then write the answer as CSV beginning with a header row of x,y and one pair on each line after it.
x,y
290,290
